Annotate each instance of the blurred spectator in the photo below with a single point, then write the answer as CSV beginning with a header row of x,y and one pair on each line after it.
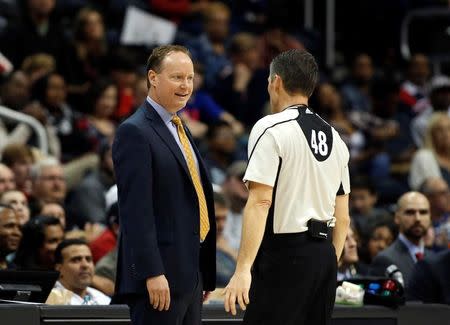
x,y
225,255
236,194
413,218
73,260
140,91
38,32
430,280
86,60
437,191
107,241
439,102
414,87
434,159
210,47
222,146
38,65
19,202
7,181
356,91
87,202
19,158
349,266
56,210
10,235
380,235
15,91
49,184
242,88
41,236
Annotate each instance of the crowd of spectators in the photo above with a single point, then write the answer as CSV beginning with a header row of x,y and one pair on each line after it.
x,y
62,63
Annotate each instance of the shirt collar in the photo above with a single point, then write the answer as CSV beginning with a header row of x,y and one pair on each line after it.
x,y
162,112
412,248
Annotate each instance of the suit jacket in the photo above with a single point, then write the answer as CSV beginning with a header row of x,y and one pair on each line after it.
x,y
397,253
158,209
430,280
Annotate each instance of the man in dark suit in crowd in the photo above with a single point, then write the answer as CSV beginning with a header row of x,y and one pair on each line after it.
x,y
166,254
413,219
430,280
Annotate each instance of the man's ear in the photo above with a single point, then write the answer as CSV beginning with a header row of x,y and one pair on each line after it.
x,y
152,78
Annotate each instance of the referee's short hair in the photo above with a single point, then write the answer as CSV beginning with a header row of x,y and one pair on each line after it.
x,y
298,70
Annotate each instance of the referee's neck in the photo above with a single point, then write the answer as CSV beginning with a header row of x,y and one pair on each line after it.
x,y
287,101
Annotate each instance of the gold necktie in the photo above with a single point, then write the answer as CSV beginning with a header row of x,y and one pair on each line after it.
x,y
204,221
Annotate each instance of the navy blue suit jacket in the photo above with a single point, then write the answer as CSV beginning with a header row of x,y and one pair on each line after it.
x,y
158,209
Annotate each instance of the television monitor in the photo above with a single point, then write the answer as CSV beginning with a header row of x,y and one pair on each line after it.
x,y
26,286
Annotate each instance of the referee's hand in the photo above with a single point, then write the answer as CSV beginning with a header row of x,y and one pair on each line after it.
x,y
237,291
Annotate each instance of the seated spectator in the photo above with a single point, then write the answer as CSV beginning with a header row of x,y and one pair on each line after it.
x,y
38,65
87,202
56,210
41,236
73,259
413,218
225,255
10,235
380,235
7,181
433,160
107,240
349,266
430,280
19,202
19,157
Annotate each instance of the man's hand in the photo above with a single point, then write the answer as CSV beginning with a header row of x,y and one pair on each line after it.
x,y
159,292
237,290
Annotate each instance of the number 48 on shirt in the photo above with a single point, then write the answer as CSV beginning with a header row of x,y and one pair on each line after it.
x,y
319,142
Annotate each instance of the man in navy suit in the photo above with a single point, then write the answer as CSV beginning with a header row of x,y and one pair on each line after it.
x,y
166,254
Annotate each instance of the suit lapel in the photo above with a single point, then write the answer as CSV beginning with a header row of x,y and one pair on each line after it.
x,y
161,129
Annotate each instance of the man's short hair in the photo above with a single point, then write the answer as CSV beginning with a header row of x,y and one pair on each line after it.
x,y
66,243
36,170
298,70
159,53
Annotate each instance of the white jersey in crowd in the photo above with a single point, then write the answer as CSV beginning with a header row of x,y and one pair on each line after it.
x,y
306,162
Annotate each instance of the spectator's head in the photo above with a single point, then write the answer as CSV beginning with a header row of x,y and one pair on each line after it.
x,y
15,90
292,73
170,73
221,209
38,65
102,99
41,236
440,93
50,90
10,233
362,69
221,138
49,184
363,196
329,101
89,26
54,210
73,259
381,235
234,188
413,215
217,21
243,49
350,252
40,8
437,136
7,181
122,67
19,158
419,69
437,191
19,202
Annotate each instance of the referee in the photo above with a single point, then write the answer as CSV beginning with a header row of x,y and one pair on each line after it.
x,y
296,217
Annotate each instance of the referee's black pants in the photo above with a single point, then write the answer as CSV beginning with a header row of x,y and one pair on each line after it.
x,y
293,282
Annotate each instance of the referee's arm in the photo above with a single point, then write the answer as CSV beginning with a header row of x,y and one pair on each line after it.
x,y
253,225
340,230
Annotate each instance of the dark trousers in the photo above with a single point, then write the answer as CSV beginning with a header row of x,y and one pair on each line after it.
x,y
293,282
184,309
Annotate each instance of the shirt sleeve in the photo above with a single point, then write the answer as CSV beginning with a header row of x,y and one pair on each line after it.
x,y
264,158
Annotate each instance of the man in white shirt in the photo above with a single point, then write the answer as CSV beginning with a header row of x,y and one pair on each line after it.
x,y
296,217
73,259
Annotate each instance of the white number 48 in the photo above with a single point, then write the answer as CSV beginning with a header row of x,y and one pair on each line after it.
x,y
322,147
